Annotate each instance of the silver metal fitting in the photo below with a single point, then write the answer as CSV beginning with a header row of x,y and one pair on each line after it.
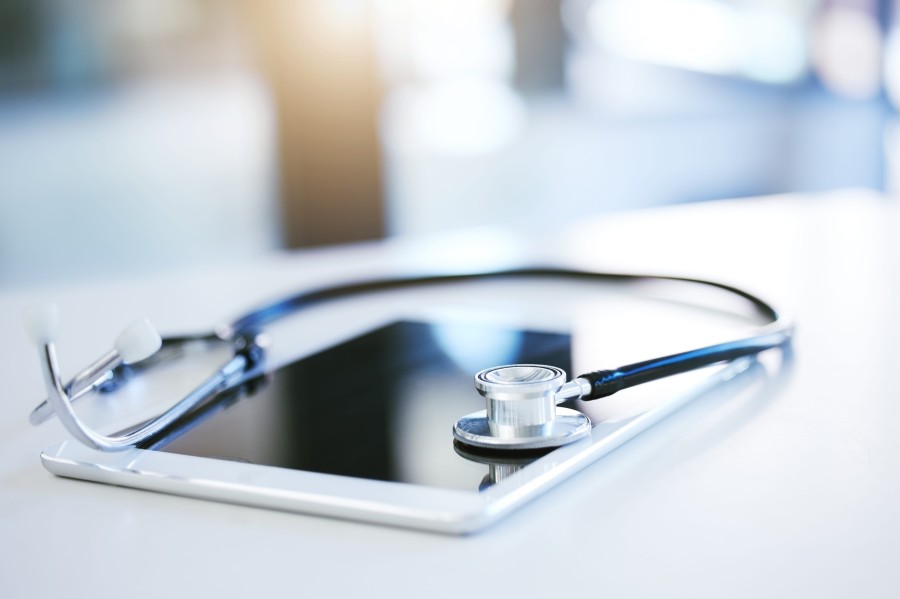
x,y
520,410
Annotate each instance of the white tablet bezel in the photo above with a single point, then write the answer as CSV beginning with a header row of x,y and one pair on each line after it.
x,y
390,503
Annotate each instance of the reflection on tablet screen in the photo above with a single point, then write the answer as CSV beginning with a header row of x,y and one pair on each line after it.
x,y
379,406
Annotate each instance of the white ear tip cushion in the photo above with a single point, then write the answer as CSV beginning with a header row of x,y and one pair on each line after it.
x,y
42,323
138,341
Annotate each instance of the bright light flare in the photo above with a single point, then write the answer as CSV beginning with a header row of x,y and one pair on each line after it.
x,y
701,35
848,53
459,117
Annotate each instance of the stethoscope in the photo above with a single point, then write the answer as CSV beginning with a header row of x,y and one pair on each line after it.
x,y
521,401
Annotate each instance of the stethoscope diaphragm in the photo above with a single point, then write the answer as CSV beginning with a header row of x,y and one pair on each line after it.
x,y
521,410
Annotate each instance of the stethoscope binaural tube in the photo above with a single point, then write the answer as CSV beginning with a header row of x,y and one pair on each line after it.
x,y
248,357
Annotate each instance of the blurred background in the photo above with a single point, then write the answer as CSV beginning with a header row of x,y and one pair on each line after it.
x,y
143,135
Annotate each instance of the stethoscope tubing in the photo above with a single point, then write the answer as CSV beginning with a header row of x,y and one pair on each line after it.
x,y
776,332
308,298
243,334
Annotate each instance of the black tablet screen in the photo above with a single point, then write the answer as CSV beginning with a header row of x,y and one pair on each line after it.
x,y
379,406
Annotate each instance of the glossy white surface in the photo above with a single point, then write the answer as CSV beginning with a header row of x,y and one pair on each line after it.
x,y
793,495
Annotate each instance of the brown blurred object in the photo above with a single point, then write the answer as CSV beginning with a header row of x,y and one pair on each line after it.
x,y
320,60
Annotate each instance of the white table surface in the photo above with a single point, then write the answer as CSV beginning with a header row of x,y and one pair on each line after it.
x,y
798,498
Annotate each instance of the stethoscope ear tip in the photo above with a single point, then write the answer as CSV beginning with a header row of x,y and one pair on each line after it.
x,y
42,323
138,341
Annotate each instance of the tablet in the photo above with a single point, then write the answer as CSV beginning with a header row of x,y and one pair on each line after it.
x,y
362,430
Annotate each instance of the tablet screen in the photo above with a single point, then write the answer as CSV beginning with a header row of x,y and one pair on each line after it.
x,y
380,406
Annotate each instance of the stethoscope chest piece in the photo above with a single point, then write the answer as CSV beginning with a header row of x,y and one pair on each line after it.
x,y
521,411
